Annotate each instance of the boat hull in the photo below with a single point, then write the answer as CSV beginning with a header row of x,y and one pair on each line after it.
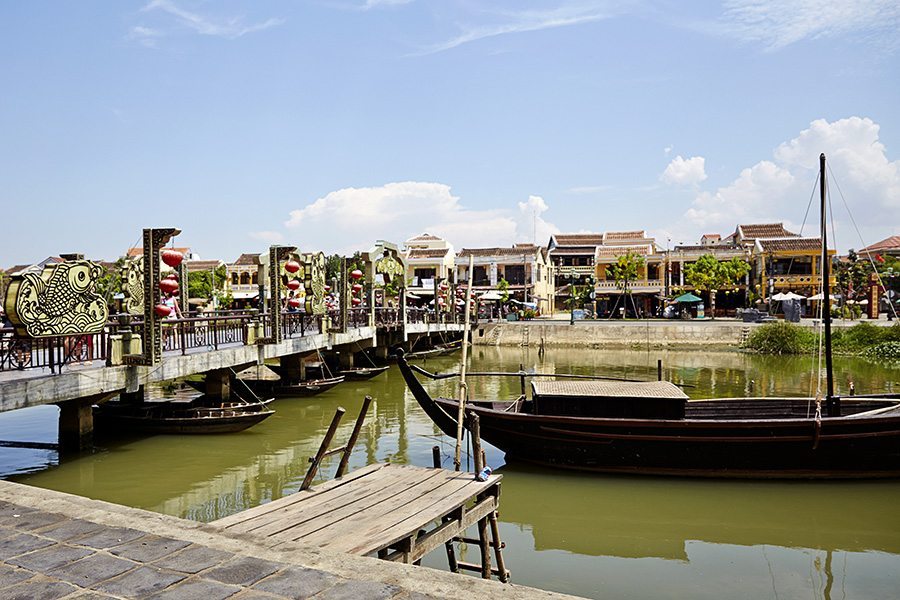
x,y
794,448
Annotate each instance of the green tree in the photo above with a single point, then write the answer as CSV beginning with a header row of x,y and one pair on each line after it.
x,y
710,275
110,282
200,283
625,270
503,288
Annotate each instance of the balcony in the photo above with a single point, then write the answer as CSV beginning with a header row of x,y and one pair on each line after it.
x,y
565,271
640,286
793,281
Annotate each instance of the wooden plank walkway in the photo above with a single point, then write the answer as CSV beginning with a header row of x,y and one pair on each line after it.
x,y
381,509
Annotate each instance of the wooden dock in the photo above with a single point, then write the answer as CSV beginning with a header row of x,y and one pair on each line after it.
x,y
395,512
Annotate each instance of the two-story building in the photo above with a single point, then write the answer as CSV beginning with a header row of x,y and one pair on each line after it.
x,y
645,289
571,256
683,256
427,257
525,267
242,280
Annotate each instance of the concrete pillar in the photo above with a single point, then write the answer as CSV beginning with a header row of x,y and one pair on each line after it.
x,y
381,352
76,423
346,359
134,397
218,383
293,366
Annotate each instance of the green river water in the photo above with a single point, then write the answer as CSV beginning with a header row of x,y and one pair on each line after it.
x,y
590,535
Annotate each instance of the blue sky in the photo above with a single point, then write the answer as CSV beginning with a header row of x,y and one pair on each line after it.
x,y
327,124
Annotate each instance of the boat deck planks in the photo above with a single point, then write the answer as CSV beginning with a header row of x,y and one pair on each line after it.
x,y
372,510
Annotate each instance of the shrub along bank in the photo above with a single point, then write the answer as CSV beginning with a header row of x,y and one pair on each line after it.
x,y
864,339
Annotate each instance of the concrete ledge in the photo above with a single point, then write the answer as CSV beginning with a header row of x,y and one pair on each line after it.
x,y
412,580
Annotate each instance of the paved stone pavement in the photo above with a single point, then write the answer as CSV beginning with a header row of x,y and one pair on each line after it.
x,y
55,545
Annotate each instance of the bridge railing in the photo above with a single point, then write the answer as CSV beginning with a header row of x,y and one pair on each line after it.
x,y
297,324
388,317
51,352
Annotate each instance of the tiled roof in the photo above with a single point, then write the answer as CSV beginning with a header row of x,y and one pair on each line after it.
x,y
891,243
202,265
425,237
427,253
711,236
15,269
578,239
246,259
139,251
765,230
616,251
790,244
615,236
517,250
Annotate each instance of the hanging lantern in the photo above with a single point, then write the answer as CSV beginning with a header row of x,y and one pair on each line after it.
x,y
356,301
169,286
162,310
172,258
292,266
356,274
172,275
293,284
327,288
357,288
444,285
440,301
294,302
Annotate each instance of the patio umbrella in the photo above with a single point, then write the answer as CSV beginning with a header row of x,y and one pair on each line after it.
x,y
688,297
780,296
793,296
821,296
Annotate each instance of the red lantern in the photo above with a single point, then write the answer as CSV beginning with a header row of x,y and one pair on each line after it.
x,y
162,310
327,288
356,274
294,302
292,266
356,301
172,276
172,258
357,288
444,285
169,286
293,284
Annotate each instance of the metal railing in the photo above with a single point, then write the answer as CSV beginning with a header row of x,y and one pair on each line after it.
x,y
19,353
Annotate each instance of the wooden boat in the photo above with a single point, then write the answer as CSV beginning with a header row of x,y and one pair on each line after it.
x,y
309,387
652,428
362,372
199,414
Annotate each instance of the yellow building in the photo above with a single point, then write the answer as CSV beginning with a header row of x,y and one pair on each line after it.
x,y
525,267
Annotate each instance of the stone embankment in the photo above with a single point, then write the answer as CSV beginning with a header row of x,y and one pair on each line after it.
x,y
56,545
614,334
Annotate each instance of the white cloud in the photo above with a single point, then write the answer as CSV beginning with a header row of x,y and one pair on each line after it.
x,y
146,36
521,21
270,237
685,172
352,218
776,23
230,28
780,189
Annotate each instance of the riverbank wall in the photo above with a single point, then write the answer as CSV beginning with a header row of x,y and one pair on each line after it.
x,y
613,334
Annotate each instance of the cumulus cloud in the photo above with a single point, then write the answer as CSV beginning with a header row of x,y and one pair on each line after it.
x,y
352,218
772,190
685,172
776,24
270,237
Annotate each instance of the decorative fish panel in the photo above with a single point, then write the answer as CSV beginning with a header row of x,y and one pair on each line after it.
x,y
62,300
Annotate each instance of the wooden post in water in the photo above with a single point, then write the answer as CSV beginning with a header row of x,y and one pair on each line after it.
x,y
345,457
323,449
659,369
463,389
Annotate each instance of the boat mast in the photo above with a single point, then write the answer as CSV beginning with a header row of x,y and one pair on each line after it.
x,y
832,403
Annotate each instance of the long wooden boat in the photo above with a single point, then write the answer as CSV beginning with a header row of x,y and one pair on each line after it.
x,y
201,414
309,387
651,428
361,373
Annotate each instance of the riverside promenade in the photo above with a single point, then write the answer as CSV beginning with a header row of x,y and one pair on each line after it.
x,y
56,545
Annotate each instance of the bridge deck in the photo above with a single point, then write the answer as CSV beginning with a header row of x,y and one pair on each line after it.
x,y
376,509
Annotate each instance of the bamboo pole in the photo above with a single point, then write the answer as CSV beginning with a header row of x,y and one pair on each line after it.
x,y
463,389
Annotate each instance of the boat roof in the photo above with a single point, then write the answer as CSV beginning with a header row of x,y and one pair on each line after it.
x,y
632,389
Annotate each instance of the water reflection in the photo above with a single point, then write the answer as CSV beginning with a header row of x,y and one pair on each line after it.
x,y
590,535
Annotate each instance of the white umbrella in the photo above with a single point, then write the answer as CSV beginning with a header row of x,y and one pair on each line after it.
x,y
821,296
780,296
793,296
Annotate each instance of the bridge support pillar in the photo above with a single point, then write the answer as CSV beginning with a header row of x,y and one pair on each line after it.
x,y
293,367
381,352
76,424
134,397
346,359
218,383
